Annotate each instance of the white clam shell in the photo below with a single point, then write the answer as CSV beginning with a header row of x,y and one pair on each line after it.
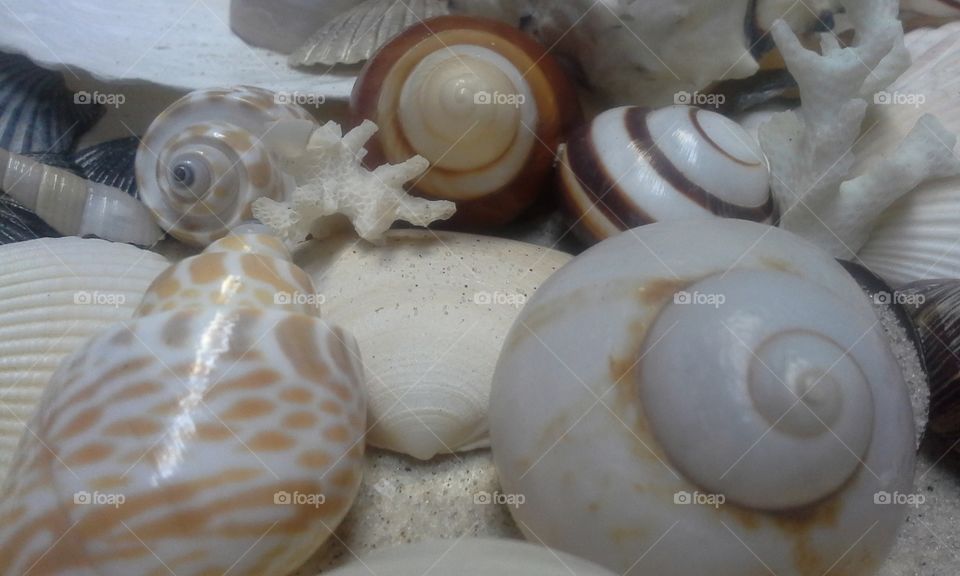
x,y
282,25
430,312
55,293
574,419
470,557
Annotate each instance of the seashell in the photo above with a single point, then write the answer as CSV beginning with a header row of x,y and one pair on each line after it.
x,y
220,430
937,8
470,557
73,206
353,36
37,111
632,166
18,224
282,25
111,163
55,293
935,308
485,104
792,416
205,159
430,312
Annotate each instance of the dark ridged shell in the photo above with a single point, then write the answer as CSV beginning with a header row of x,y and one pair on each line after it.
x,y
111,163
18,224
37,111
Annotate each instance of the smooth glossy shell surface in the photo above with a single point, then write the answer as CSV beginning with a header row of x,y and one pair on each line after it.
x,y
632,166
635,384
485,104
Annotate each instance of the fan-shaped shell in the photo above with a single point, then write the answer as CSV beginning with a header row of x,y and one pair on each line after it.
x,y
55,293
626,383
111,163
430,312
632,166
485,104
282,25
203,161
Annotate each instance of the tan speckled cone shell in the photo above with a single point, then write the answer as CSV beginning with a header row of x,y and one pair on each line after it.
x,y
43,283
430,311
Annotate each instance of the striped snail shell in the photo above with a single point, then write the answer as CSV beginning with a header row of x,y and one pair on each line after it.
x,y
632,166
208,156
734,395
74,206
220,430
482,102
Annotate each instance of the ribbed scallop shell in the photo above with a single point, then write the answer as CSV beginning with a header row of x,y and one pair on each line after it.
x,y
55,293
218,135
484,103
430,312
356,34
111,163
633,166
18,224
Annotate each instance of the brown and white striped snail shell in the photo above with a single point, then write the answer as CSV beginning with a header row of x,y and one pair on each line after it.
x,y
220,430
207,157
632,166
484,103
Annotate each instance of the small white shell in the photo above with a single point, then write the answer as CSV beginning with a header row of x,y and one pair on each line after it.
x,y
207,157
356,34
76,207
55,293
733,395
430,312
470,557
632,166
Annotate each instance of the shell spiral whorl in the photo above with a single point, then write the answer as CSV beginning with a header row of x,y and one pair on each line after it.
x,y
486,105
632,166
204,160
220,430
736,395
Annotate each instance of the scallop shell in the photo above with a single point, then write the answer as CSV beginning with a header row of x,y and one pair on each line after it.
x,y
282,25
430,312
356,34
111,163
37,111
18,224
470,557
54,294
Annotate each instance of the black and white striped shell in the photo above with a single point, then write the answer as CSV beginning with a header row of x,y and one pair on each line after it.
x,y
203,161
632,166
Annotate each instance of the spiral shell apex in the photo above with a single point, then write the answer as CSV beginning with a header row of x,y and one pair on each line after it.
x,y
633,166
485,104
206,158
734,395
221,430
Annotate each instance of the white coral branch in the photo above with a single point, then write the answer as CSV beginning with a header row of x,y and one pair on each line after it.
x,y
331,180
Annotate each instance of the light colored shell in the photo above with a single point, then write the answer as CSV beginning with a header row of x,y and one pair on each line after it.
x,y
470,557
430,311
483,103
222,431
220,141
734,395
282,25
936,8
76,207
631,166
55,293
354,35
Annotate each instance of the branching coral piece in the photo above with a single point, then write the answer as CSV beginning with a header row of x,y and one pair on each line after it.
x,y
810,149
331,180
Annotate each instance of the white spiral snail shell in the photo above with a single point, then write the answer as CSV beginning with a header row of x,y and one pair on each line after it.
x,y
208,156
220,430
484,103
716,362
632,166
